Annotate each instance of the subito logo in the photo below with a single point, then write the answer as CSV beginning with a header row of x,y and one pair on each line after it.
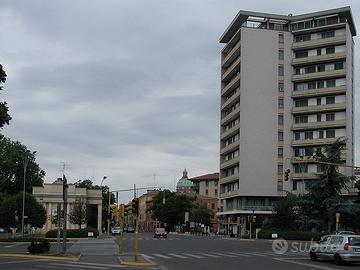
x,y
280,246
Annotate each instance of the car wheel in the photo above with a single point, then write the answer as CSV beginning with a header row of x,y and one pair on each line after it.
x,y
338,260
313,256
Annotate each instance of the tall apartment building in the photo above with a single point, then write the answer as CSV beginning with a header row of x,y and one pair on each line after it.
x,y
286,90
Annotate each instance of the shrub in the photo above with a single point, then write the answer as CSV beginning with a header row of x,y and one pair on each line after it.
x,y
41,246
77,233
290,235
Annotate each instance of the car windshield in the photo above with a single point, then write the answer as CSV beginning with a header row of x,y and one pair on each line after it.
x,y
160,230
354,241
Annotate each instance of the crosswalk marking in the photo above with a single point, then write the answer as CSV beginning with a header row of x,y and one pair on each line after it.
x,y
177,255
194,256
226,255
68,266
147,256
209,255
161,256
239,254
255,254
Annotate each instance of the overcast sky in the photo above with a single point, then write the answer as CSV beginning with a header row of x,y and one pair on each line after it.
x,y
126,89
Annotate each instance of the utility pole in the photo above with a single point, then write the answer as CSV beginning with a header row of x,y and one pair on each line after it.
x,y
65,194
136,239
58,210
25,163
108,217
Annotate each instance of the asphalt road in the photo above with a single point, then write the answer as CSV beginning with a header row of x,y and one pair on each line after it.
x,y
183,252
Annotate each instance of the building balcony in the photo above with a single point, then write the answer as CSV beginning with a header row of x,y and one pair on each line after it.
x,y
230,101
319,75
319,92
231,116
229,179
313,142
235,52
229,194
319,28
319,42
231,70
230,147
305,176
320,108
235,82
229,163
319,125
319,58
232,131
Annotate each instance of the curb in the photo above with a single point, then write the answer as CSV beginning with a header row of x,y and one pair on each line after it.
x,y
148,263
28,256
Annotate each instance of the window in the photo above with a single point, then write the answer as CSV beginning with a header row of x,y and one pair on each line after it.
x,y
330,100
216,192
318,51
318,101
294,185
281,70
281,103
281,87
318,117
301,119
281,37
216,183
280,186
213,206
302,38
321,68
312,85
330,50
280,136
280,169
321,134
330,117
330,83
301,54
301,103
320,84
308,135
280,152
339,65
206,192
280,119
327,34
301,168
297,136
206,183
330,133
281,55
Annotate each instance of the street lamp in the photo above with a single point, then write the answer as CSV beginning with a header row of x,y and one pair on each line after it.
x,y
25,164
104,178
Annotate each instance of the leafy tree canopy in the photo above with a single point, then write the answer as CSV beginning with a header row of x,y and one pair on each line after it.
x,y
201,214
12,157
11,212
4,109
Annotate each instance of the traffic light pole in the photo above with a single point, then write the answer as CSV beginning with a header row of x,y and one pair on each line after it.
x,y
65,190
121,242
108,217
58,210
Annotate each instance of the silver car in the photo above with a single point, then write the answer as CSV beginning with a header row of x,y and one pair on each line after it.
x,y
339,248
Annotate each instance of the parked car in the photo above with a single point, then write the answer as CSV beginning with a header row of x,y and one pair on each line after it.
x,y
340,248
115,230
130,229
2,230
345,232
160,233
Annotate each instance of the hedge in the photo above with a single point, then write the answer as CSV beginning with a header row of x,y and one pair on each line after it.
x,y
41,246
77,233
291,235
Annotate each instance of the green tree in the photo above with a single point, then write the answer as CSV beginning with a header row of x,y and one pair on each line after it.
x,y
201,214
4,109
78,214
11,212
285,215
325,194
170,207
12,156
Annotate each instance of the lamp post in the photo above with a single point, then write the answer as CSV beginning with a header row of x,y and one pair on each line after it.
x,y
25,164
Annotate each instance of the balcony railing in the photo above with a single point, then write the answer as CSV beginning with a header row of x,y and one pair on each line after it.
x,y
235,82
319,58
235,67
229,194
319,42
313,142
319,75
229,163
319,92
235,97
229,179
231,116
235,52
230,132
319,125
319,108
230,147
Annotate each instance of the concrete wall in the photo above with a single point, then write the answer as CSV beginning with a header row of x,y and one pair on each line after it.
x,y
258,117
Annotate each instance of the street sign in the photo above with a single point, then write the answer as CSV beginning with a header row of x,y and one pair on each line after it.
x,y
26,217
186,216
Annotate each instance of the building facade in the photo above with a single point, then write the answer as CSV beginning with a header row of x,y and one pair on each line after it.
x,y
184,185
286,90
51,195
146,222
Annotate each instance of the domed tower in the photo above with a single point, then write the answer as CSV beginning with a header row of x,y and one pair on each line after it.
x,y
184,185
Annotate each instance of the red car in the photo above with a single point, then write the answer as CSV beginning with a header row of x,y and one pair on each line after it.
x,y
160,233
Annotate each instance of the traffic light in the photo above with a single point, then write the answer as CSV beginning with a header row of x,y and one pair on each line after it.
x,y
135,206
121,210
286,175
61,213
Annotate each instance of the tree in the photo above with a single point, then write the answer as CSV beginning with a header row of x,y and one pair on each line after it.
x,y
201,214
4,109
77,213
285,215
11,212
12,156
170,207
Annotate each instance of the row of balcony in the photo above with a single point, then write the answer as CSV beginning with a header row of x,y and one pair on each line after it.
x,y
235,52
319,58
235,67
233,99
229,179
319,125
313,142
235,82
341,106
229,163
230,147
229,194
230,132
319,75
319,92
319,42
231,116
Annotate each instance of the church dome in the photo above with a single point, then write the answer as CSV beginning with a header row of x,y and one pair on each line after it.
x,y
184,182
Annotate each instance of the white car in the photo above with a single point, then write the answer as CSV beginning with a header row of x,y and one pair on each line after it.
x,y
339,248
115,230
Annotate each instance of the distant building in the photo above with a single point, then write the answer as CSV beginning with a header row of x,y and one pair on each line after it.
x,y
50,195
184,185
146,222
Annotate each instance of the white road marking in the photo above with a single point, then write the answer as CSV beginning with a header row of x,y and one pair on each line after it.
x,y
306,264
161,256
193,255
209,255
224,255
177,255
239,254
254,254
78,266
147,256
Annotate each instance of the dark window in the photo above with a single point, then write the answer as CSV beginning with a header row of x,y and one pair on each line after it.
x,y
330,100
320,84
281,87
330,133
295,185
301,168
280,119
297,135
281,37
318,51
301,119
280,135
339,65
206,192
318,117
318,101
311,85
281,71
280,152
328,34
308,135
301,103
330,83
302,38
280,169
321,68
321,22
301,54
310,69
330,116
281,55
321,134
330,50
281,103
